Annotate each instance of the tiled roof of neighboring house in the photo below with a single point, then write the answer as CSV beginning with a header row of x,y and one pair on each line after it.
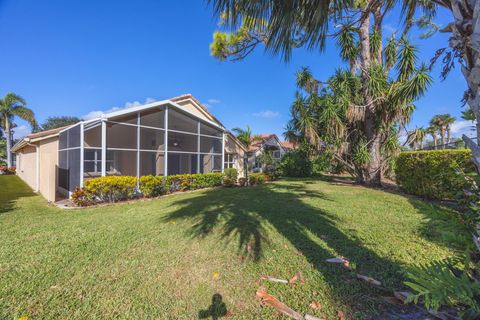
x,y
288,145
260,140
36,137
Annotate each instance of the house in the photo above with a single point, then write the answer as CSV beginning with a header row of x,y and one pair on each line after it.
x,y
173,136
261,144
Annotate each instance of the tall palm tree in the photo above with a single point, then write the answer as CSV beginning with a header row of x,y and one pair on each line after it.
x,y
432,130
439,123
448,120
247,138
11,106
416,137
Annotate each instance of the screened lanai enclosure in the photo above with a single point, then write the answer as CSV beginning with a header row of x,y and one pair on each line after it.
x,y
159,140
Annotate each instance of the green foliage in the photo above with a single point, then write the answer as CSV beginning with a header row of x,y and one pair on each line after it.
x,y
153,186
111,188
82,198
296,164
184,182
257,178
242,181
432,173
230,177
323,163
58,122
444,283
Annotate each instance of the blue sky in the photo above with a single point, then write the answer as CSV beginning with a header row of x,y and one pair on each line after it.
x,y
77,57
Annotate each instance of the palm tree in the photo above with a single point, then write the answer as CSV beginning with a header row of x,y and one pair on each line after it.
x,y
416,137
11,106
282,26
449,120
432,130
438,122
247,138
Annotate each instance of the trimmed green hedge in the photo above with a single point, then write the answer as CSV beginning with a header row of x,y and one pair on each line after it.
x,y
117,188
432,173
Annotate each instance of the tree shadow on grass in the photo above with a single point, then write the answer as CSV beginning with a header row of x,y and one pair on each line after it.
x,y
11,190
245,213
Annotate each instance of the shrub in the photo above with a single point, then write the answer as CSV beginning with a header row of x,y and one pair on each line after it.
x,y
296,164
323,163
7,170
184,182
82,198
112,188
152,186
256,178
242,181
432,173
230,178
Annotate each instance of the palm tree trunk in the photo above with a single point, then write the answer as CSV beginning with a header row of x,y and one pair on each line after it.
x,y
442,136
9,142
448,135
372,169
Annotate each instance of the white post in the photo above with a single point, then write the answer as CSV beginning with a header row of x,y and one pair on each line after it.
x,y
166,142
82,127
223,151
104,148
138,149
198,147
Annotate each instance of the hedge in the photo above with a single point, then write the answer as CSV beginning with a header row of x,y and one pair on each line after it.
x,y
231,177
432,173
117,188
257,178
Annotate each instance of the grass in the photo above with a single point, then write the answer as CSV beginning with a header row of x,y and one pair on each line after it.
x,y
161,258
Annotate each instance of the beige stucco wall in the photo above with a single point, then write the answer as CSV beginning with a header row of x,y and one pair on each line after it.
x,y
26,166
231,146
189,106
48,167
48,161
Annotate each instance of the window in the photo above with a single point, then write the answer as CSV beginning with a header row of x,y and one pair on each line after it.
x,y
230,159
121,163
92,163
276,154
180,163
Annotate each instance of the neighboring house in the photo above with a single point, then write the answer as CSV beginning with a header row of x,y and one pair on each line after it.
x,y
265,142
168,137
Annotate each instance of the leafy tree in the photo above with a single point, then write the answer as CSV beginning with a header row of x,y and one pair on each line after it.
x,y
58,122
12,106
282,26
245,136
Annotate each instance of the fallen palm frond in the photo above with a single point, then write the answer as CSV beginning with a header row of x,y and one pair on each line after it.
x,y
273,302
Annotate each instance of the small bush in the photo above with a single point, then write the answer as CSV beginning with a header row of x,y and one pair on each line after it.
x,y
7,170
112,188
230,178
153,186
322,164
432,173
256,178
296,164
82,198
242,181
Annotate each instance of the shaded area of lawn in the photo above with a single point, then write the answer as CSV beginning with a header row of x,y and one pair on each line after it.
x,y
201,254
12,189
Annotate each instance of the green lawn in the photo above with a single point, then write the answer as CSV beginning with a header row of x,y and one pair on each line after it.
x,y
157,258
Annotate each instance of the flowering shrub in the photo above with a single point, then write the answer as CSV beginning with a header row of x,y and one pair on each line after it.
x,y
82,198
153,186
7,170
256,178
